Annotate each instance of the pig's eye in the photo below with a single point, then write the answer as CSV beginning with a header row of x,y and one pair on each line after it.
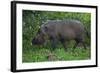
x,y
46,29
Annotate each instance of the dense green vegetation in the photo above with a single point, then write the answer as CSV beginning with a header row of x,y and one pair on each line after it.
x,y
31,22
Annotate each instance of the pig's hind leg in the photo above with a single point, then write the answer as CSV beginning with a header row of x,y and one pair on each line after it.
x,y
80,40
76,43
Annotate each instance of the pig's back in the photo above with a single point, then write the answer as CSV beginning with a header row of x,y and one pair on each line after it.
x,y
63,25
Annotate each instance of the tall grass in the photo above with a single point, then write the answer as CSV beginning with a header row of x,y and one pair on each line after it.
x,y
59,54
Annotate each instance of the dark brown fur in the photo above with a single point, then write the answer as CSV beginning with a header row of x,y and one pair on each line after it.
x,y
62,31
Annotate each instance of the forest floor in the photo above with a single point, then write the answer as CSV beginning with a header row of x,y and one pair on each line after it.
x,y
58,54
